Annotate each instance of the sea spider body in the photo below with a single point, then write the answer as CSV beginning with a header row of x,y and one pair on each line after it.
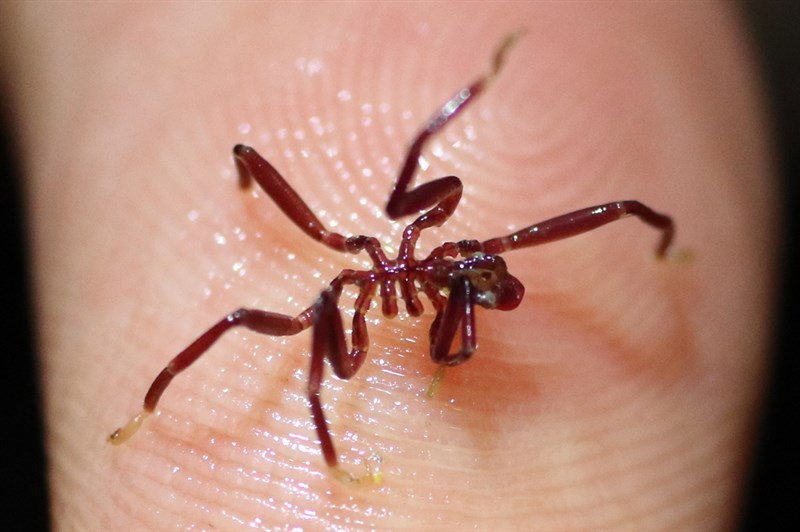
x,y
455,276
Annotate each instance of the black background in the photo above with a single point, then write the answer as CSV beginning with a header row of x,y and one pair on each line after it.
x,y
772,494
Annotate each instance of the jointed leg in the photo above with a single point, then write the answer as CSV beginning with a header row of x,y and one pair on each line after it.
x,y
445,191
252,166
581,221
459,311
259,321
328,341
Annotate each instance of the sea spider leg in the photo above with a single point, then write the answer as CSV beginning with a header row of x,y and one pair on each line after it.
x,y
446,191
251,166
328,342
578,222
459,310
259,321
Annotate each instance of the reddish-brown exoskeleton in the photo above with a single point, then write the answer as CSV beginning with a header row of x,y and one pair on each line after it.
x,y
455,276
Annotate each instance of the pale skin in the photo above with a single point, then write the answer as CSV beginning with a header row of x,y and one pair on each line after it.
x,y
621,394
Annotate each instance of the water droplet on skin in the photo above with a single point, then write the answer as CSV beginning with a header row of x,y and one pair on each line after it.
x,y
470,132
308,66
316,125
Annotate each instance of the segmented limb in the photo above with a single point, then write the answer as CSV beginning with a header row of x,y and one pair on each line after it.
x,y
259,321
328,342
445,191
458,310
458,313
578,222
252,166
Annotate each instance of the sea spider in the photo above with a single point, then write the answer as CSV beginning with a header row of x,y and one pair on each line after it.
x,y
455,276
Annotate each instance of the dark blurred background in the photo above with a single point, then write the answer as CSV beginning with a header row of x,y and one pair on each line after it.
x,y
772,494
772,497
22,462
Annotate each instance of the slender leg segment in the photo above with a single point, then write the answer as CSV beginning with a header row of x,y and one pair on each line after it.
x,y
581,221
328,332
328,342
259,321
459,311
252,166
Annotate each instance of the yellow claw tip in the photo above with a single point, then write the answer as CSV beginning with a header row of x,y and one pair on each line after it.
x,y
436,382
514,36
123,434
505,45
373,477
681,255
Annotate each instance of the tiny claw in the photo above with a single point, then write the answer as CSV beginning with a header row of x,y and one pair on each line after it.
x,y
373,477
123,434
239,152
436,382
683,255
500,53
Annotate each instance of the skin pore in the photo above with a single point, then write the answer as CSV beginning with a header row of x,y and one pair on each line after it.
x,y
621,394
